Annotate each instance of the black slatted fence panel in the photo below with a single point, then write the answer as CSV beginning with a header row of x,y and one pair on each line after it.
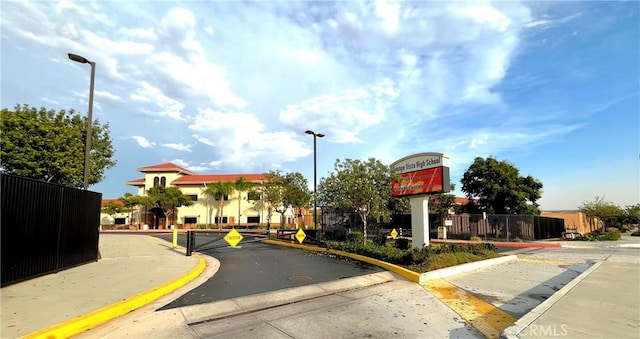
x,y
45,227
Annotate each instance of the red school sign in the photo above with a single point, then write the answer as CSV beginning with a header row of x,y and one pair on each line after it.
x,y
419,182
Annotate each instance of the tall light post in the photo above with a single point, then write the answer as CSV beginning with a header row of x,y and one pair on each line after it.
x,y
87,146
315,172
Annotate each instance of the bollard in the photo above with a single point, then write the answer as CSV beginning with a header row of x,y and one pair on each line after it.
x,y
175,238
189,243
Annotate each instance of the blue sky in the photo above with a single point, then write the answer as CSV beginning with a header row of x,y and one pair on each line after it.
x,y
230,87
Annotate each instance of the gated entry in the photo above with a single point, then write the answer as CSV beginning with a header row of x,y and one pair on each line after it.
x,y
246,236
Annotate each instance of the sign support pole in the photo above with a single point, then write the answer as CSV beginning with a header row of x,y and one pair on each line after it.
x,y
420,221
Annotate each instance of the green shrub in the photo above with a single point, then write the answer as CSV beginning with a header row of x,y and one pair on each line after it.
x,y
599,236
610,235
357,237
420,260
338,234
381,239
636,234
402,243
444,260
475,238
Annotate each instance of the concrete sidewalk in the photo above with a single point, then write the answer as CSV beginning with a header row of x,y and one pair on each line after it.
x,y
602,302
134,271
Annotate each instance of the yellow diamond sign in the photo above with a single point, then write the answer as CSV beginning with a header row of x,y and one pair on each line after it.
x,y
233,237
394,234
300,235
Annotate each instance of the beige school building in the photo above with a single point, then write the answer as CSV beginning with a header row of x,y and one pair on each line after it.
x,y
239,209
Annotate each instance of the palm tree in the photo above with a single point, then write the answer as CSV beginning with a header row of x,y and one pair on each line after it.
x,y
218,190
241,185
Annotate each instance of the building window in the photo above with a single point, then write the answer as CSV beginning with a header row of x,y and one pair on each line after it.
x,y
120,221
225,197
156,182
190,220
223,220
163,182
252,195
253,220
194,197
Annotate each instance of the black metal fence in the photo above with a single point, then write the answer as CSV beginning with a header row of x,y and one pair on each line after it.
x,y
45,228
463,226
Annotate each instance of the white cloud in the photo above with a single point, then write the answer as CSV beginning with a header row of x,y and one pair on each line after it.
x,y
169,107
546,23
203,140
106,95
199,169
180,162
143,142
346,114
215,163
247,142
178,147
475,142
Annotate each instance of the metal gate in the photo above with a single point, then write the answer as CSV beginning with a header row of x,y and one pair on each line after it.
x,y
248,236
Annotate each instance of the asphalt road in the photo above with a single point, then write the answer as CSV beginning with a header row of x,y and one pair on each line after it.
x,y
253,268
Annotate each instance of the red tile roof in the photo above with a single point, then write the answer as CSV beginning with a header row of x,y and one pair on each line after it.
x,y
136,182
117,201
166,167
464,201
209,178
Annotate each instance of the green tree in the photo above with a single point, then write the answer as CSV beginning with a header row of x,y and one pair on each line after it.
x,y
167,199
241,185
282,191
440,204
606,212
49,146
632,215
500,189
130,201
218,191
264,204
112,208
358,186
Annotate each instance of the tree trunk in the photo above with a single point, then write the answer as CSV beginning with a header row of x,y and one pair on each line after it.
x,y
364,226
219,217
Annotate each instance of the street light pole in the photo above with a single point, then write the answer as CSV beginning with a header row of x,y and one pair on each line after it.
x,y
87,146
315,173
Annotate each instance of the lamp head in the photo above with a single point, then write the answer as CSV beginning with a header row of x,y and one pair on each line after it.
x,y
319,135
309,132
77,58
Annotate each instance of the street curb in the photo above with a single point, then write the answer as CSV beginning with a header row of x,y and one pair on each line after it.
x,y
449,271
407,274
92,319
512,331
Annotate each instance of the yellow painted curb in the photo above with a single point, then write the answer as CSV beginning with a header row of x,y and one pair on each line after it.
x,y
407,274
90,320
485,317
